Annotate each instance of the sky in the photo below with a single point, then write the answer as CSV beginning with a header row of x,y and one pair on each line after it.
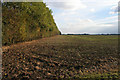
x,y
85,16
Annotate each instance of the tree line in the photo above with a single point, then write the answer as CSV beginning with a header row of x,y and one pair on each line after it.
x,y
24,21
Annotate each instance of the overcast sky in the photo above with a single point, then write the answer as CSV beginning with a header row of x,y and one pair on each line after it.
x,y
85,16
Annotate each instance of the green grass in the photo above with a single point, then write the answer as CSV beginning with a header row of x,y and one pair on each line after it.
x,y
65,57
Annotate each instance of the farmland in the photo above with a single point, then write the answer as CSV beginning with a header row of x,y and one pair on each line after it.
x,y
62,57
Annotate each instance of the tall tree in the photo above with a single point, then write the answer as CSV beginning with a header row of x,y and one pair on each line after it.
x,y
23,21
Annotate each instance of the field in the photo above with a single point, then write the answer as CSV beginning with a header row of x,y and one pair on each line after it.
x,y
62,57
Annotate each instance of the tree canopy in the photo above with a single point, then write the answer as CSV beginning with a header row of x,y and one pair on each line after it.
x,y
23,21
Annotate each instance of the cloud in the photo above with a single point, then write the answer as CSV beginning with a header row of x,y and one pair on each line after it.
x,y
88,26
115,9
85,16
111,19
112,12
67,5
92,10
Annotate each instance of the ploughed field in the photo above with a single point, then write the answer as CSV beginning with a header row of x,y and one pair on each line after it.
x,y
62,57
